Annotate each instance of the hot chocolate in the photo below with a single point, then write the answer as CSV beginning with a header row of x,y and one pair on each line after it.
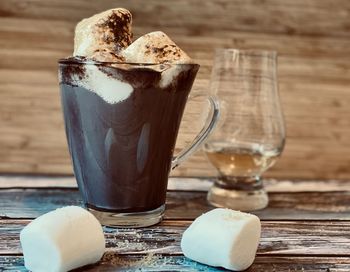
x,y
123,102
122,144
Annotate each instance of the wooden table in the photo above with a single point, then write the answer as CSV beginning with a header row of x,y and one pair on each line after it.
x,y
305,228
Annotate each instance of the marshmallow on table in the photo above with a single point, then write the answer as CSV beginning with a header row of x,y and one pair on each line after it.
x,y
62,240
223,237
103,35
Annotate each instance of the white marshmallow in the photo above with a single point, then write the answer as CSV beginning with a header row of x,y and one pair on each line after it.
x,y
170,74
101,36
62,240
155,47
108,88
223,237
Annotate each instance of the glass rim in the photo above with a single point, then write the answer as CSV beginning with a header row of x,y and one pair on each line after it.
x,y
72,60
251,51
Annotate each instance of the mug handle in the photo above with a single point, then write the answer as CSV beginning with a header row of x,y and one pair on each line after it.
x,y
201,136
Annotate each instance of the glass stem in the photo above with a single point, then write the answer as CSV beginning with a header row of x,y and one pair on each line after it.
x,y
239,183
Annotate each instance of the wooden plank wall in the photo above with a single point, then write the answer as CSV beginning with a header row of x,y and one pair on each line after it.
x,y
311,36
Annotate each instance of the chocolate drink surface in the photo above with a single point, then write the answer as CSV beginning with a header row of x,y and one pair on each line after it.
x,y
122,148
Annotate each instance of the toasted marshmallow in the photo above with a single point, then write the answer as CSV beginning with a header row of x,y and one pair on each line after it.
x,y
102,36
155,47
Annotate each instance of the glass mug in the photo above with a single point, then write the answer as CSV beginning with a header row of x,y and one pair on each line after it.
x,y
121,123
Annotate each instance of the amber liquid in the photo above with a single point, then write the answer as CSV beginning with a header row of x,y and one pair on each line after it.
x,y
240,160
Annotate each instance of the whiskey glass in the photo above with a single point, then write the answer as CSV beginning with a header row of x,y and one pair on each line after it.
x,y
250,135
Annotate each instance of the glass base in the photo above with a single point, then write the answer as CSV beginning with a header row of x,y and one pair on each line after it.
x,y
129,220
238,194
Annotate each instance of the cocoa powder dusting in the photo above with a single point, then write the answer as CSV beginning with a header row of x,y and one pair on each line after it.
x,y
114,259
67,71
117,24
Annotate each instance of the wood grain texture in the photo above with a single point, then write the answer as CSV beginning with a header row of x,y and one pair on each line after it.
x,y
180,263
185,205
180,184
282,238
294,244
312,38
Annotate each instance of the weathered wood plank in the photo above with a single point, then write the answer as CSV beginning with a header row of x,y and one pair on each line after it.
x,y
282,238
30,203
180,263
181,183
199,46
292,17
282,206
